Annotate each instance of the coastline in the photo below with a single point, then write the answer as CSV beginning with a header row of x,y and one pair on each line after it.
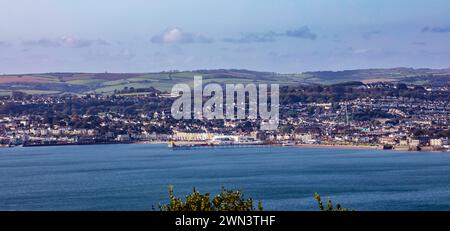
x,y
378,147
328,146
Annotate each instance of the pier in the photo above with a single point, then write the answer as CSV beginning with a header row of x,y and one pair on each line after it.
x,y
175,146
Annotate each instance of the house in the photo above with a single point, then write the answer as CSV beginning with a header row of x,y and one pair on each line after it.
x,y
439,142
123,138
414,142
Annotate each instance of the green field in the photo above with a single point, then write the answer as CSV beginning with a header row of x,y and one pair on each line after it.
x,y
106,83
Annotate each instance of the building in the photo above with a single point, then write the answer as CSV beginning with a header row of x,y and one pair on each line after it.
x,y
123,138
190,136
439,142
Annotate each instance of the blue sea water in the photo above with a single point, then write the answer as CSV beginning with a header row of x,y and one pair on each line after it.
x,y
136,177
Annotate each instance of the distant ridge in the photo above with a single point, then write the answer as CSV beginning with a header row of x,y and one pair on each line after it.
x,y
104,83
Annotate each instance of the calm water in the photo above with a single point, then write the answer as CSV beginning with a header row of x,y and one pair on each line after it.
x,y
135,177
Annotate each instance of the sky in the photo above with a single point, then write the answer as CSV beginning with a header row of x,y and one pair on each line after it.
x,y
286,36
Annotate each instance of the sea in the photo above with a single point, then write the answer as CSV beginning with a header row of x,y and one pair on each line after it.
x,y
129,177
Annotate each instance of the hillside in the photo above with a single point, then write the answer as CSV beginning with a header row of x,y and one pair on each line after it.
x,y
104,83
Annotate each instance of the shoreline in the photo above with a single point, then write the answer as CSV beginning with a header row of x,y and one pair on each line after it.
x,y
329,146
338,146
367,147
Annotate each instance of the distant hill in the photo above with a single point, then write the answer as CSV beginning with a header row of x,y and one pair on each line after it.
x,y
104,83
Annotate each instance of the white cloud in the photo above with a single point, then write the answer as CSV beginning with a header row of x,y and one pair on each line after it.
x,y
177,35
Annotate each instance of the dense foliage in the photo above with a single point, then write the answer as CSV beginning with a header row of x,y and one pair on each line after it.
x,y
226,200
329,206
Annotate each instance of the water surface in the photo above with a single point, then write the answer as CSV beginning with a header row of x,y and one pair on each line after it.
x,y
136,176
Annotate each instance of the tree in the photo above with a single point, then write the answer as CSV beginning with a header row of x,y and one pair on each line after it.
x,y
330,206
226,200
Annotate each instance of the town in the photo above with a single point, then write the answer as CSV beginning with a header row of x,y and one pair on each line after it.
x,y
353,115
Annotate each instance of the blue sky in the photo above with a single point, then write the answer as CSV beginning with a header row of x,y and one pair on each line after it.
x,y
281,35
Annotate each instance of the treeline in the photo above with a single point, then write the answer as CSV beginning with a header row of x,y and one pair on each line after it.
x,y
354,90
126,90
73,105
